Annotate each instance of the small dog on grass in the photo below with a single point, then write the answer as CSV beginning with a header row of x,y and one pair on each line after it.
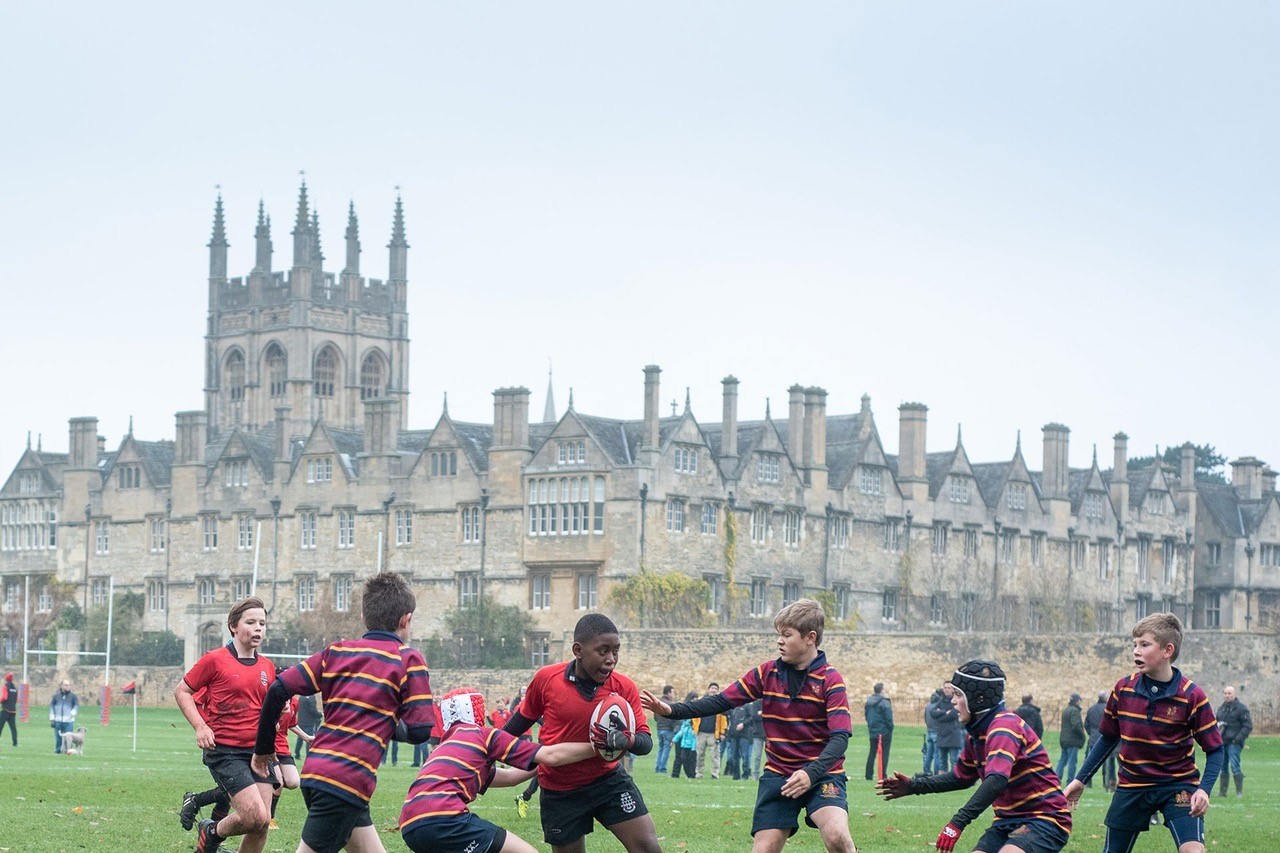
x,y
73,742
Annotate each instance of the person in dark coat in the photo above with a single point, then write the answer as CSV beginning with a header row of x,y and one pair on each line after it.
x,y
666,732
734,739
1070,738
1093,719
946,720
1235,724
879,713
1031,713
309,719
930,749
753,744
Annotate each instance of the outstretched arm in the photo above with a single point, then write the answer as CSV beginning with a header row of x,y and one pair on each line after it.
x,y
556,754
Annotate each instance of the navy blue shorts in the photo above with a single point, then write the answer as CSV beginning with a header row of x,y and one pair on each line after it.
x,y
1033,836
774,811
1132,808
448,833
331,820
569,815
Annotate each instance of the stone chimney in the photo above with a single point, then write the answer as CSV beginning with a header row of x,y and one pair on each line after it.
x,y
381,426
84,443
795,426
729,421
1055,480
815,439
912,428
649,436
190,435
511,418
1120,476
1188,471
1246,476
1268,480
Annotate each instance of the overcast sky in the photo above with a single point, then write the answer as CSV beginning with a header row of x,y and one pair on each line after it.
x,y
1013,212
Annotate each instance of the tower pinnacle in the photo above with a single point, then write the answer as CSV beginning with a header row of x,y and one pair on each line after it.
x,y
353,241
218,243
398,271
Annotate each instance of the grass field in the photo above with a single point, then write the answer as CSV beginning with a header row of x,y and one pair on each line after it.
x,y
113,798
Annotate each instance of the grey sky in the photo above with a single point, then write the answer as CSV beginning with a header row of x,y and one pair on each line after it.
x,y
1012,212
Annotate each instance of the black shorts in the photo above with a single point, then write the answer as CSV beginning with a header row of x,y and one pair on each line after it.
x,y
229,767
569,815
1132,808
331,820
448,833
285,758
1032,836
774,811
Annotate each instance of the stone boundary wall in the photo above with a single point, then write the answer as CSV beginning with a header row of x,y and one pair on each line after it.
x,y
910,665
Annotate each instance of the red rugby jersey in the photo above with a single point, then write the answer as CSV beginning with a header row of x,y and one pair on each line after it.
x,y
288,719
566,718
234,693
367,684
1009,747
460,769
1158,736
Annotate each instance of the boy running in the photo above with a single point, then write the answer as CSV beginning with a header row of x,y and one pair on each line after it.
x,y
574,796
235,678
1003,751
435,818
1156,716
806,725
368,685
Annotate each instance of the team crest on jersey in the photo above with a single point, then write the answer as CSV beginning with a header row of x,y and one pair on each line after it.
x,y
829,791
1182,798
262,676
628,802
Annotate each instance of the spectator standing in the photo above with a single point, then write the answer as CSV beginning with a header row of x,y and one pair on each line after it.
x,y
734,738
9,707
666,732
1092,719
1236,725
710,729
879,714
1070,738
930,750
686,745
946,719
62,713
1031,713
309,718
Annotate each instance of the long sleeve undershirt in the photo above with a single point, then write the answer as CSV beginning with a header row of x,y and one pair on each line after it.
x,y
990,789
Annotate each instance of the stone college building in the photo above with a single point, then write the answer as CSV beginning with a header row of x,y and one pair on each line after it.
x,y
303,444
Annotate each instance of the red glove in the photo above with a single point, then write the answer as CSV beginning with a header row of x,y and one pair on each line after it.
x,y
948,837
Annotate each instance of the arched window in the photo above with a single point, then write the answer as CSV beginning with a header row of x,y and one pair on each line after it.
x,y
372,374
326,372
277,370
235,375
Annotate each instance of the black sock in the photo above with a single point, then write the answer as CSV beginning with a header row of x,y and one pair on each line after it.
x,y
221,808
207,798
275,801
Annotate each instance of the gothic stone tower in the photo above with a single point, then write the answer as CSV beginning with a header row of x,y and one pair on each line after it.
x,y
306,340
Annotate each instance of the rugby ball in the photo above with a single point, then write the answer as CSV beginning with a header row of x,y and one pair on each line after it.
x,y
613,712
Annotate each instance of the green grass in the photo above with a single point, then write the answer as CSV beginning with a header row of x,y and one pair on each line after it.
x,y
113,798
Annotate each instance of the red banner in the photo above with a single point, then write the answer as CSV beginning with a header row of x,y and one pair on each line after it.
x,y
104,700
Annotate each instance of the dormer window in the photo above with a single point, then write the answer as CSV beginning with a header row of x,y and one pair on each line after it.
x,y
29,483
871,481
1155,503
130,476
237,472
1093,506
572,453
686,460
320,469
959,493
444,463
768,468
1016,496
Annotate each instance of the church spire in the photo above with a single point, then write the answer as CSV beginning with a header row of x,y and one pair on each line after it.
x,y
317,256
549,411
399,248
304,248
218,243
353,241
262,241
